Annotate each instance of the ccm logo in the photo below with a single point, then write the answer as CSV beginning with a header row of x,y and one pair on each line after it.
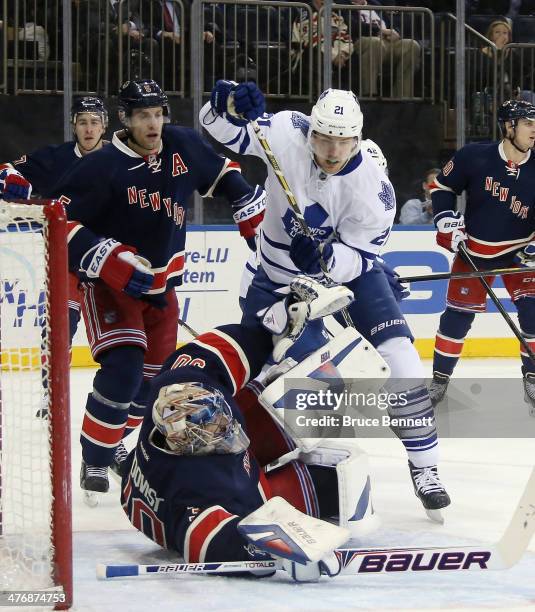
x,y
423,562
529,279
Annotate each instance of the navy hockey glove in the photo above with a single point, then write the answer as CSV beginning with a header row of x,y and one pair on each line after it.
x,y
400,291
526,256
248,101
248,214
241,102
117,265
220,94
450,230
306,254
13,185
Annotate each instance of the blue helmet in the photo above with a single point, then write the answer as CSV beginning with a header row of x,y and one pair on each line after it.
x,y
513,110
142,93
89,104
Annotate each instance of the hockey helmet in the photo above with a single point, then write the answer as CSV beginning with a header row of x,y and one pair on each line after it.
x,y
92,105
337,113
196,419
142,93
513,110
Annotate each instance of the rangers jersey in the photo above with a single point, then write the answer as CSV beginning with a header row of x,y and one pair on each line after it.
x,y
141,201
354,208
500,199
184,502
45,167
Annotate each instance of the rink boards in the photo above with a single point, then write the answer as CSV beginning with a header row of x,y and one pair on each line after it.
x,y
216,255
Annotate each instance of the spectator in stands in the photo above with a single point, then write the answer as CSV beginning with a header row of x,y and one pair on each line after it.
x,y
378,44
416,211
33,29
140,50
342,47
168,31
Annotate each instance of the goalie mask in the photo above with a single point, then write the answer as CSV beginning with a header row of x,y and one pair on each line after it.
x,y
195,419
335,130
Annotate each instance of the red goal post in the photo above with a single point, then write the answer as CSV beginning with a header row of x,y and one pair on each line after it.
x,y
35,470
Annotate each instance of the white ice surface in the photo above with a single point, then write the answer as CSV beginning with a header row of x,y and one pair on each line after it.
x,y
484,478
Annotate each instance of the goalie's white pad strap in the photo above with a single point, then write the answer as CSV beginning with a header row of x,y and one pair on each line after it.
x,y
282,531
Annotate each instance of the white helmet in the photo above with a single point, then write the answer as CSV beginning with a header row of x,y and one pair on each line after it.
x,y
375,151
337,113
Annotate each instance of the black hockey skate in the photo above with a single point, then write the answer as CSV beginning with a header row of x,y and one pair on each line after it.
x,y
118,462
438,387
93,480
429,490
529,392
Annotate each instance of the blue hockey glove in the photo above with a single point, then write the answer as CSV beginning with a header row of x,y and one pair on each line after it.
x,y
306,254
248,214
13,185
248,101
117,265
400,291
526,256
220,94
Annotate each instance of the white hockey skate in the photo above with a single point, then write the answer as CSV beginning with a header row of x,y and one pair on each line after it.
x,y
430,491
529,392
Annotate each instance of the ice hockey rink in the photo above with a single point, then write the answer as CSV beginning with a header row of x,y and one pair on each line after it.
x,y
484,477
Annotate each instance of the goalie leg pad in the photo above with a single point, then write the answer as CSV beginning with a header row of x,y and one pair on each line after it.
x,y
293,482
346,357
355,508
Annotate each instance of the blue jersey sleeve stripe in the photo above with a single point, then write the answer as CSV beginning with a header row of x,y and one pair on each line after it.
x,y
245,143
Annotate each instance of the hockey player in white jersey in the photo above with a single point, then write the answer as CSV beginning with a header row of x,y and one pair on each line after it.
x,y
349,205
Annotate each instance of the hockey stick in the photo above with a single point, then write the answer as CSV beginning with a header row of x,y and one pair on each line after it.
x,y
454,275
502,555
294,205
189,329
464,254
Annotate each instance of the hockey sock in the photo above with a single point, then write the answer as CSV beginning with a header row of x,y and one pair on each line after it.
x,y
102,429
409,400
449,341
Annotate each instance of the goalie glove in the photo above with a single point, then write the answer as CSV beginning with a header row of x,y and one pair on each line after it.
x,y
526,256
249,213
119,267
13,186
316,302
450,230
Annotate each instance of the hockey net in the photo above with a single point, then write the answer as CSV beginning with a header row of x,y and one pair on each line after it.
x,y
35,477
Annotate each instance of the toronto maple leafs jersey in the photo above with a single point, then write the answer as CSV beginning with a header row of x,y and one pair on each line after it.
x,y
355,207
179,501
500,199
45,167
141,201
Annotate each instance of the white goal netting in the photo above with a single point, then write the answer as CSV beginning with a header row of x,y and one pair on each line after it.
x,y
28,456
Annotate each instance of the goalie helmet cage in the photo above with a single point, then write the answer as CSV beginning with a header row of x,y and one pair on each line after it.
x,y
35,472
